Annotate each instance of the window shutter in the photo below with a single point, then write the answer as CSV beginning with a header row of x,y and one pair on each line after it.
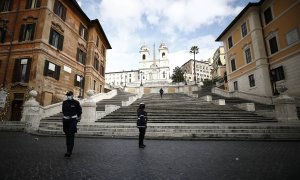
x,y
57,72
38,3
64,13
75,80
16,74
84,57
3,36
21,34
10,5
28,4
61,42
1,5
46,68
28,70
55,7
32,31
82,83
80,29
86,34
50,36
77,55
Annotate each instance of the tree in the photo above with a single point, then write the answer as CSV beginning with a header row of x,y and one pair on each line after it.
x,y
194,50
177,75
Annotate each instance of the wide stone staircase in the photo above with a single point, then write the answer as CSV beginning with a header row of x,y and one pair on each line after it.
x,y
180,108
180,116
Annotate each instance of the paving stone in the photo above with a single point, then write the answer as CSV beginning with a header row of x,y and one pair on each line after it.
x,y
25,156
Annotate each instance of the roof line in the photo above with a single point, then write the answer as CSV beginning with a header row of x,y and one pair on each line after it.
x,y
238,17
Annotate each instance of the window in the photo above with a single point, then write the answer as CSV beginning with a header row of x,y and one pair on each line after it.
x,y
273,45
235,86
230,43
144,56
60,10
31,4
244,29
233,67
80,56
94,85
292,36
22,70
163,55
83,32
2,35
251,80
56,39
27,32
97,41
51,70
78,81
96,64
248,55
103,51
102,70
268,15
277,74
5,5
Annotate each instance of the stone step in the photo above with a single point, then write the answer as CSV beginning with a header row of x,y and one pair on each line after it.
x,y
182,135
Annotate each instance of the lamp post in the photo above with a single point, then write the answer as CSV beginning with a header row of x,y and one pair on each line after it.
x,y
125,79
141,78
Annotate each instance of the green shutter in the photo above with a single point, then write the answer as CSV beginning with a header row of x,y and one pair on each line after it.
x,y
46,68
61,42
28,4
21,34
38,3
17,71
32,31
28,70
57,72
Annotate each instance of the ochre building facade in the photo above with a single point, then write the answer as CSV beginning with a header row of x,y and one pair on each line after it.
x,y
262,48
50,46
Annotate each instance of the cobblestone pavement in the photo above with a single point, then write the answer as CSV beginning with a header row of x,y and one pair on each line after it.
x,y
24,156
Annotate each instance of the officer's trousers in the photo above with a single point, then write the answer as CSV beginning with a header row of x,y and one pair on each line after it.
x,y
141,136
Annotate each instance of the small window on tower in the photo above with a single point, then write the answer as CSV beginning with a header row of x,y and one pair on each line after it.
x,y
163,55
144,56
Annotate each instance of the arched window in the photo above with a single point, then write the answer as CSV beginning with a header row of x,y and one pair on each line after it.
x,y
163,54
144,56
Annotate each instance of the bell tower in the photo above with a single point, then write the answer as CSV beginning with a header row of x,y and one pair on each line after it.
x,y
163,51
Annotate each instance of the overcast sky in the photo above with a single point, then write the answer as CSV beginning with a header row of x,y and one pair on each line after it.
x,y
128,24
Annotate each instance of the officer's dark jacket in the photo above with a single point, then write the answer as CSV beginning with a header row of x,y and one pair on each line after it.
x,y
142,118
71,108
161,91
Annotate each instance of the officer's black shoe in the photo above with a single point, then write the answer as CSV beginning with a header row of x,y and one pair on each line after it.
x,y
67,155
142,146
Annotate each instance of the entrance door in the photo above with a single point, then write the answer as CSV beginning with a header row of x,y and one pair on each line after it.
x,y
16,110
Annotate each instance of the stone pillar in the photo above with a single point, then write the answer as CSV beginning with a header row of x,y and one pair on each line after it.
x,y
31,113
89,109
285,109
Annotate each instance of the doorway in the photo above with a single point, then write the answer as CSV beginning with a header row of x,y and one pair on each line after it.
x,y
16,110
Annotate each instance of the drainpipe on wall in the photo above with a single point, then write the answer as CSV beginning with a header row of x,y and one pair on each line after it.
x,y
10,44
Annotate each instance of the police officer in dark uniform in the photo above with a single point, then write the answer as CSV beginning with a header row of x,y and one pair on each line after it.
x,y
142,124
72,114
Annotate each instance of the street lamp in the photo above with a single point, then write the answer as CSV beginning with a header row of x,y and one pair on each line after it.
x,y
141,78
125,79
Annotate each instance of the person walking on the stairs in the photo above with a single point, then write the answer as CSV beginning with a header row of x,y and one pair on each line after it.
x,y
161,91
142,124
72,114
